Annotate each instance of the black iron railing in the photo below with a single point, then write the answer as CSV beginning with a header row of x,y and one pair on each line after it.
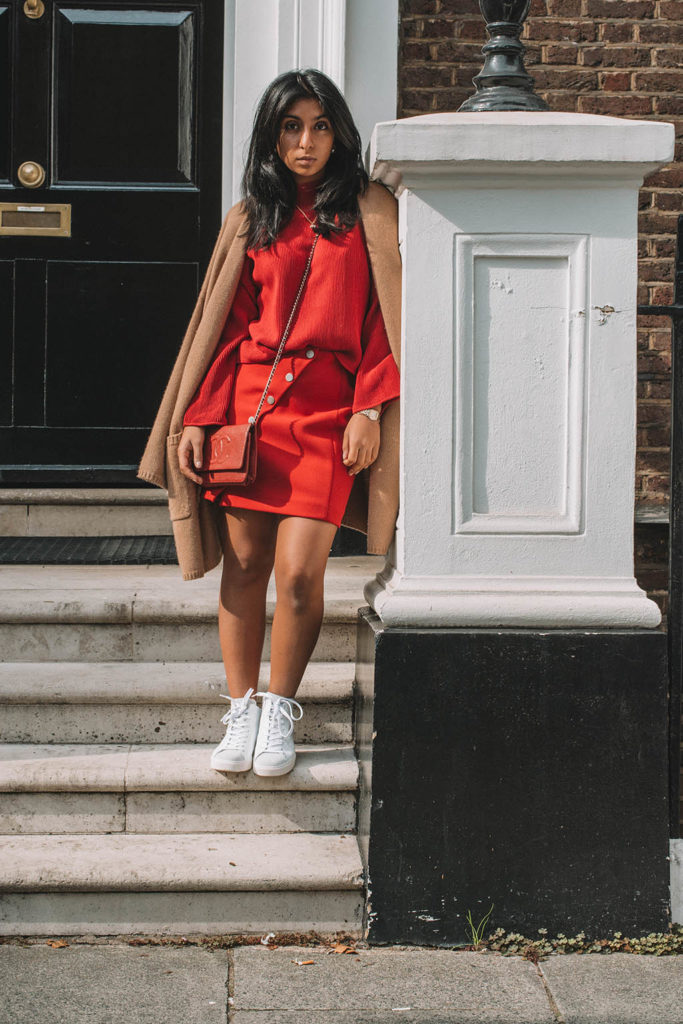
x,y
675,615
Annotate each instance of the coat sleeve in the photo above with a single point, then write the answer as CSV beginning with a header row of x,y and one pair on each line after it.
x,y
377,376
208,405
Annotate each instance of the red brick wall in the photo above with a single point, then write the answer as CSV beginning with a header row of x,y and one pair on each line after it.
x,y
620,57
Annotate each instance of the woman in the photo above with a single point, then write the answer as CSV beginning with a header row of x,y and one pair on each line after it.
x,y
320,425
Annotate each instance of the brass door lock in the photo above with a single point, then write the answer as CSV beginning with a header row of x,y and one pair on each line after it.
x,y
31,174
34,8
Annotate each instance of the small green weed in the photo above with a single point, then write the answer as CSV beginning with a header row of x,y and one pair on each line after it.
x,y
476,932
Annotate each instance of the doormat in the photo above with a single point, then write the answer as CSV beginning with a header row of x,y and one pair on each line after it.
x,y
87,551
125,550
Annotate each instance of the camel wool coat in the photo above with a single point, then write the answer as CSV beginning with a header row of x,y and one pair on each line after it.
x,y
199,526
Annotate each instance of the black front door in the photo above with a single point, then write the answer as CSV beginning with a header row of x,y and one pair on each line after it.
x,y
119,107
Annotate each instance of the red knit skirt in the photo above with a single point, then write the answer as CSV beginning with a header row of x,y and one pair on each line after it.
x,y
299,467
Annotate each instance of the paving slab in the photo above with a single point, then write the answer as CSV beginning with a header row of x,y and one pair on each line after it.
x,y
616,988
395,1016
113,983
391,984
110,984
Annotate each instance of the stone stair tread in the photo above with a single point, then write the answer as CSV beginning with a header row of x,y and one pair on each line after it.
x,y
125,682
83,496
119,767
102,606
153,593
179,861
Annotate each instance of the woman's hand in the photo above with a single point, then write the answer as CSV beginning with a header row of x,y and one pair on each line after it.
x,y
360,446
190,450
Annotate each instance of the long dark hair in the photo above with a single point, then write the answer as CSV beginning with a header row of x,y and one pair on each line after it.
x,y
268,187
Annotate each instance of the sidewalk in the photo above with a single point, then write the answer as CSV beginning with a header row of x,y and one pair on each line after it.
x,y
116,983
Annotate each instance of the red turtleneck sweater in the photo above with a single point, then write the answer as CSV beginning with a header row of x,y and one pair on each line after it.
x,y
338,310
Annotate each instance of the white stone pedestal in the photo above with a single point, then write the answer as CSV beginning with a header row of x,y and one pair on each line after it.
x,y
518,239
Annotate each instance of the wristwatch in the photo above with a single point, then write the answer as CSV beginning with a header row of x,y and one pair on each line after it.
x,y
372,414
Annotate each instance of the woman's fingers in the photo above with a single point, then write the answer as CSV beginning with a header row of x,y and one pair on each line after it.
x,y
354,454
185,450
190,450
350,450
365,458
360,445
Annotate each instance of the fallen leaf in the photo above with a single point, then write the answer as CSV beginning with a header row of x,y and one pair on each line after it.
x,y
303,963
232,864
56,943
341,948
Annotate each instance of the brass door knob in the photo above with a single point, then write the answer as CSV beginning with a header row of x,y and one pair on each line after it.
x,y
34,8
31,174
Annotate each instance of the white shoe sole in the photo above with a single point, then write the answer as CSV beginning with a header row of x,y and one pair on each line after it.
x,y
269,770
235,766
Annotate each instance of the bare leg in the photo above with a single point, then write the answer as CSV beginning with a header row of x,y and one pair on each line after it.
x,y
301,552
248,559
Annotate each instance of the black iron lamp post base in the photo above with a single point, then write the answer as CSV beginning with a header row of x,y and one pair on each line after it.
x,y
503,97
503,83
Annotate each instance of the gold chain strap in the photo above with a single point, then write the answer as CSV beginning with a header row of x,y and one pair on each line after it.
x,y
252,419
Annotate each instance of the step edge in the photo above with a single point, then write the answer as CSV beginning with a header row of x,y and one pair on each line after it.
x,y
348,874
341,777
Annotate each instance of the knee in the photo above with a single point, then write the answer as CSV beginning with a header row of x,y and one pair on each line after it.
x,y
246,566
300,588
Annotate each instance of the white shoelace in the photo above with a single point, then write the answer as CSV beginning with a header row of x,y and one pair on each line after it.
x,y
285,706
237,720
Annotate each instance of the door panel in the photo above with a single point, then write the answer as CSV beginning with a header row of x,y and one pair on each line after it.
x,y
97,361
114,123
5,91
119,103
6,318
29,346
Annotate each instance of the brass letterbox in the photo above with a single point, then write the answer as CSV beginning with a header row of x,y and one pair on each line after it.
x,y
35,219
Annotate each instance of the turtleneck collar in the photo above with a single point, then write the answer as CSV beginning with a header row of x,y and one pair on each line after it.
x,y
305,195
307,188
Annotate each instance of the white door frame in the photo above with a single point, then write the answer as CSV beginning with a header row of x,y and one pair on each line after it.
x,y
352,41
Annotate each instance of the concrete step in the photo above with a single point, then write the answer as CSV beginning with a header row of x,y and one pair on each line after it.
x,y
148,613
61,788
153,702
83,512
205,883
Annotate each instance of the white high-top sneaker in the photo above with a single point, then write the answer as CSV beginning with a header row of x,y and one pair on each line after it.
x,y
274,751
235,750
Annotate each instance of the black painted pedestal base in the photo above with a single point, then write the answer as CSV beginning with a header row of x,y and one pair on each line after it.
x,y
521,768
